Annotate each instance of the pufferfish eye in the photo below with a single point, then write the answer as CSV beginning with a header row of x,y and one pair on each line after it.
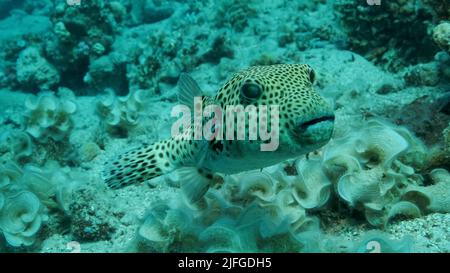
x,y
312,75
251,91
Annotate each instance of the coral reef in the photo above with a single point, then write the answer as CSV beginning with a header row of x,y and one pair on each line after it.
x,y
147,12
34,72
108,72
136,62
89,48
219,49
234,14
394,34
43,7
143,73
21,35
441,36
158,59
376,187
441,8
81,35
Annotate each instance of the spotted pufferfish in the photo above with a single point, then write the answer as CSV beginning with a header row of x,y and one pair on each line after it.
x,y
306,122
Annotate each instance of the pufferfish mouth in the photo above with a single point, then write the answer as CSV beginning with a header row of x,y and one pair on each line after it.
x,y
314,131
304,126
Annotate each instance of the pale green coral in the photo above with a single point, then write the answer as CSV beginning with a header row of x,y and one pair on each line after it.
x,y
165,228
366,167
27,193
121,114
49,117
16,145
21,213
312,188
435,197
21,218
61,31
221,238
252,211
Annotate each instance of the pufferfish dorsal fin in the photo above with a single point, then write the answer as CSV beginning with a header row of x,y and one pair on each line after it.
x,y
188,89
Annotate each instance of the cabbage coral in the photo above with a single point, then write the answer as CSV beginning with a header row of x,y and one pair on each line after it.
x,y
25,195
17,144
49,117
435,197
368,171
21,212
252,211
121,114
20,218
371,168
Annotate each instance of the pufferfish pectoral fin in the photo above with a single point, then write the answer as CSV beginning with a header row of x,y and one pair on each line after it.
x,y
196,179
195,182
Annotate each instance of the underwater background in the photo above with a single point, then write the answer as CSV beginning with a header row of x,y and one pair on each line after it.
x,y
82,81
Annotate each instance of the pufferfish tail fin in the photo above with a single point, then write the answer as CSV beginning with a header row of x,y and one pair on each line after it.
x,y
139,165
150,161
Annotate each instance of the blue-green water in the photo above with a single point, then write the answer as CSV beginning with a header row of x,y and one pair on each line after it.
x,y
88,99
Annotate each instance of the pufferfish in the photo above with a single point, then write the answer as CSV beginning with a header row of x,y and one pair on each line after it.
x,y
306,122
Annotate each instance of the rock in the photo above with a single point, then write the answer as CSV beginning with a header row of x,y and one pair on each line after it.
x,y
426,117
422,74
